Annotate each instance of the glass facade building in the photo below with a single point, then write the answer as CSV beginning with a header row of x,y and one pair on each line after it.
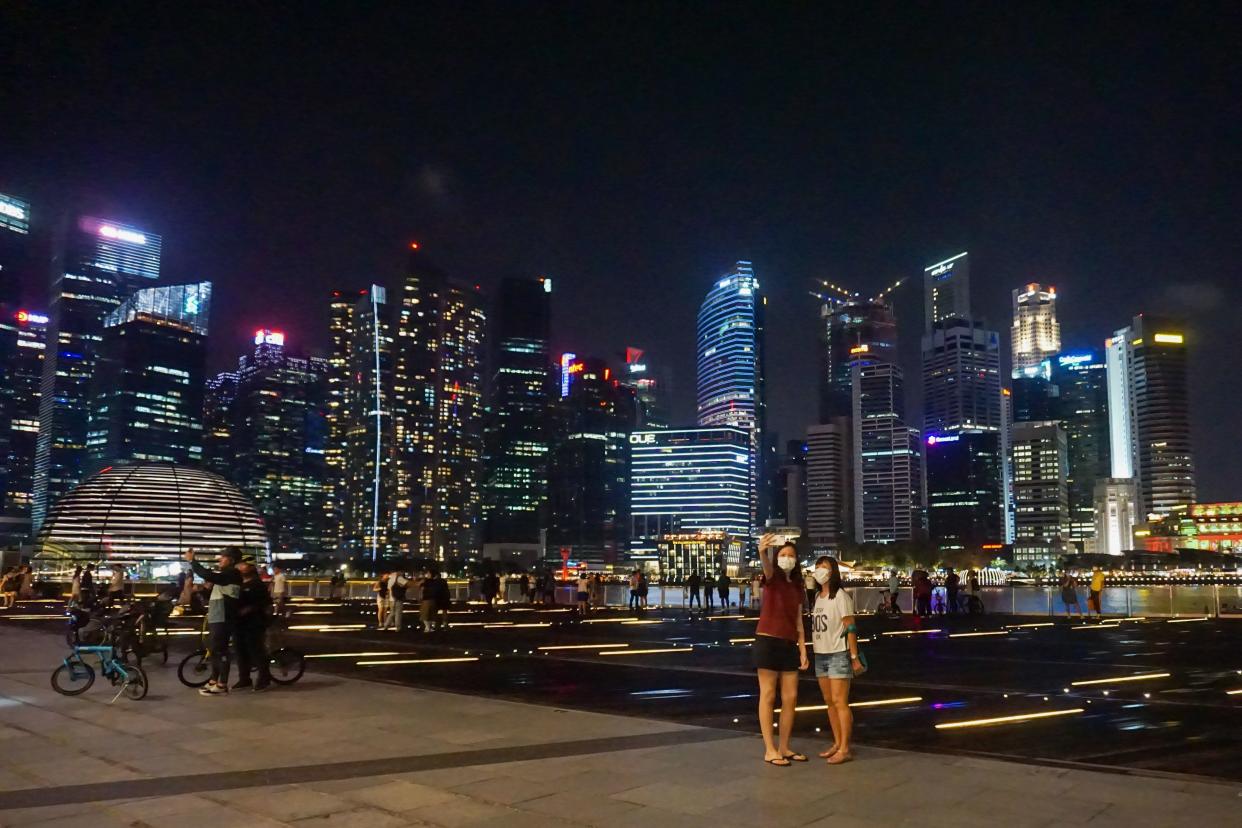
x,y
146,401
1082,407
730,365
23,341
148,515
686,481
963,503
857,332
1041,499
946,290
516,438
888,459
100,264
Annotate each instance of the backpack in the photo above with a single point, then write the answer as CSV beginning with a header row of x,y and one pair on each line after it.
x,y
398,591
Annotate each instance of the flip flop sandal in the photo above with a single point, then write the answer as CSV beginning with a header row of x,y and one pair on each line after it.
x,y
841,758
796,757
780,762
830,752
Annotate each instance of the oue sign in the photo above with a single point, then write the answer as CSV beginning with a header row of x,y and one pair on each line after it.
x,y
642,439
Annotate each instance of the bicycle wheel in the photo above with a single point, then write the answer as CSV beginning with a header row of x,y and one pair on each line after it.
x,y
135,683
195,669
73,678
287,665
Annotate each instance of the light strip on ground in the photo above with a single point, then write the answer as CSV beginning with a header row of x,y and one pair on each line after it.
x,y
353,655
802,708
975,634
740,640
1237,692
1029,626
649,652
1144,677
1187,620
322,627
723,617
312,612
912,632
608,620
417,661
631,623
511,626
1096,627
583,646
34,617
1025,717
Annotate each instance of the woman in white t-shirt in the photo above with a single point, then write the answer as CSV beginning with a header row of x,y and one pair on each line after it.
x,y
836,654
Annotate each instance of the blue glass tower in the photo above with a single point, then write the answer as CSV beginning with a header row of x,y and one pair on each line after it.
x,y
730,365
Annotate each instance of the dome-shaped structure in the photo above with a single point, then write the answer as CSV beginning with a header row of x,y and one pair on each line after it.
x,y
150,513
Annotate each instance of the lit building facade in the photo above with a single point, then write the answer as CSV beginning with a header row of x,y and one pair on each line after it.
x,y
589,468
829,484
788,505
341,307
267,430
1036,333
23,338
516,438
946,290
1041,499
888,470
101,263
1211,527
686,481
705,553
731,366
1081,380
855,332
146,402
438,412
1035,395
650,389
961,377
964,505
1116,515
1149,413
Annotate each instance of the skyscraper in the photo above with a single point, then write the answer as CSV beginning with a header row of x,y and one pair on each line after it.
x,y
687,481
589,480
22,345
1036,334
829,484
1149,413
856,332
730,363
267,431
649,387
438,412
516,438
367,487
146,401
1082,407
946,290
964,505
888,471
1041,500
1116,514
961,377
101,264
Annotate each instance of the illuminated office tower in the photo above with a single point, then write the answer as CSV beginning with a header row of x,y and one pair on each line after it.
x,y
1041,499
788,500
1116,514
515,458
1036,334
829,485
687,481
22,345
146,402
650,389
438,412
341,305
1082,407
266,430
964,505
888,471
588,478
367,492
730,364
1035,396
101,263
856,332
961,377
946,290
1149,414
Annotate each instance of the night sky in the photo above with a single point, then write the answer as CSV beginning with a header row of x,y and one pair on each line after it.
x,y
633,152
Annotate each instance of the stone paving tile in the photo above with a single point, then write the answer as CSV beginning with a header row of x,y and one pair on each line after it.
x,y
159,806
578,805
649,816
31,816
468,774
399,796
288,805
679,798
508,790
462,812
357,818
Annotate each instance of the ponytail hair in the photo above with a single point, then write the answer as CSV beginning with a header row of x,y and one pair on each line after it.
x,y
834,579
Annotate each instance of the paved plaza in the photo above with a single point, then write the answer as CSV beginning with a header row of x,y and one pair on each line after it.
x,y
339,751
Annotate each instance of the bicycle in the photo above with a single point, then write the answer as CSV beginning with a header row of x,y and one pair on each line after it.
x,y
75,676
285,664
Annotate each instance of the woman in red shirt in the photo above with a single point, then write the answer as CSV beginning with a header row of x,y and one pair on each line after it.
x,y
780,646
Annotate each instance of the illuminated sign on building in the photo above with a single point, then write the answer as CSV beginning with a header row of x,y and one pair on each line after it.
x,y
933,439
14,214
26,317
112,232
1074,359
642,439
1169,338
860,349
266,337
567,360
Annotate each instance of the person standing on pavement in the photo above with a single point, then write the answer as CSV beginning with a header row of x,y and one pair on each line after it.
x,y
280,589
1094,597
427,600
634,590
643,586
8,587
221,614
951,583
397,585
756,590
490,589
88,586
693,584
1069,595
75,586
835,641
254,614
894,585
722,585
780,647
524,588
380,588
709,591
444,601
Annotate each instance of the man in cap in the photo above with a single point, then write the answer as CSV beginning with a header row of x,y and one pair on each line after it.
x,y
226,585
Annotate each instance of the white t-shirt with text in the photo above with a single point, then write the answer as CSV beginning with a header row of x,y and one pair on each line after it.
x,y
827,632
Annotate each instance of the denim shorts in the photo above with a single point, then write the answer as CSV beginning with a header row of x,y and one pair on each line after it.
x,y
834,665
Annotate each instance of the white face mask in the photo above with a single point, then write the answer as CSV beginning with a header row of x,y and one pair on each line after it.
x,y
786,563
821,576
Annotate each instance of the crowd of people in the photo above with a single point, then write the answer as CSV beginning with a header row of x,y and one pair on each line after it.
x,y
16,583
391,589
